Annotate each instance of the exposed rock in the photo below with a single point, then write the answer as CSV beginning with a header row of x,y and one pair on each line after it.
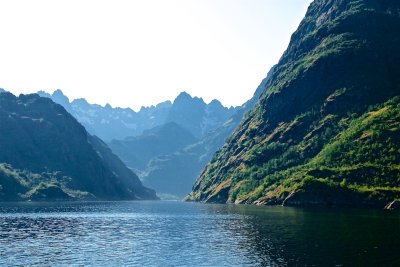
x,y
394,205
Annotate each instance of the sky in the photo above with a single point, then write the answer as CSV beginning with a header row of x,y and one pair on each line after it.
x,y
133,53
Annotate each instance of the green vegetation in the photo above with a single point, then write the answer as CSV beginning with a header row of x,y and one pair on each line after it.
x,y
45,154
169,158
364,158
326,129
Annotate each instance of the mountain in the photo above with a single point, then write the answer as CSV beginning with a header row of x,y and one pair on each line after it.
x,y
45,154
110,123
195,115
153,141
172,174
139,150
326,128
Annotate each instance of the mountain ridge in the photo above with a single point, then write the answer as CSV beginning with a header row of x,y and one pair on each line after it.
x,y
118,123
341,64
173,174
46,154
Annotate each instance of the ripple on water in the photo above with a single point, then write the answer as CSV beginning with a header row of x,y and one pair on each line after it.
x,y
188,234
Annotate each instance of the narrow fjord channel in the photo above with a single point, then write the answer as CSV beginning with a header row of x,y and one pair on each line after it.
x,y
162,233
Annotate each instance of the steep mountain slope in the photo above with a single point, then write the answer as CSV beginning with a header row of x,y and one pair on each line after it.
x,y
139,150
151,141
326,128
174,174
46,154
195,115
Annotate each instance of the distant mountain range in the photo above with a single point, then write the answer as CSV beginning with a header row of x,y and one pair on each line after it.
x,y
326,130
166,145
118,123
161,140
45,154
196,116
323,128
169,158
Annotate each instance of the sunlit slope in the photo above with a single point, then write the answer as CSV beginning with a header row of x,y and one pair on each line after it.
x,y
325,130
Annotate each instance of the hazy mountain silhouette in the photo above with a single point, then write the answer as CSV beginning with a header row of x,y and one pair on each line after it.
x,y
173,170
110,123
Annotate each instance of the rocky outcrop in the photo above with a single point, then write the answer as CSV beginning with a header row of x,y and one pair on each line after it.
x,y
393,205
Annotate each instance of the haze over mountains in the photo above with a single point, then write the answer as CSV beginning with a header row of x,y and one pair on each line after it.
x,y
323,128
117,123
173,173
167,145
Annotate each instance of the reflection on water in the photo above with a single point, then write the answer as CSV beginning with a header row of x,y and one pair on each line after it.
x,y
188,234
321,237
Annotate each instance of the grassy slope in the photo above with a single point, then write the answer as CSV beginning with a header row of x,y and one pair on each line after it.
x,y
311,139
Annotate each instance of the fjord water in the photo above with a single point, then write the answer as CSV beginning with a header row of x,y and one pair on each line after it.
x,y
158,233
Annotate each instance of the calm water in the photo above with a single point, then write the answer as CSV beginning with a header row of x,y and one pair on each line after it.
x,y
189,234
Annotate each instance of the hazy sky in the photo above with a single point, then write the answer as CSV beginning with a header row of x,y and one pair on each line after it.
x,y
134,53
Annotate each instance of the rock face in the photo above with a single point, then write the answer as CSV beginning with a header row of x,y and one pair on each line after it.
x,y
46,154
110,123
393,205
195,115
326,130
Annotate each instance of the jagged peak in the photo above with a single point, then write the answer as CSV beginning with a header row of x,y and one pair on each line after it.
x,y
184,97
215,105
215,102
183,94
164,104
80,101
58,92
167,103
57,96
42,92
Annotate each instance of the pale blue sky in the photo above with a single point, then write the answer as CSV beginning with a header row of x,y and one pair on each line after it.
x,y
134,53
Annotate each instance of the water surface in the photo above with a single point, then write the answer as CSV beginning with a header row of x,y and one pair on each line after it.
x,y
160,233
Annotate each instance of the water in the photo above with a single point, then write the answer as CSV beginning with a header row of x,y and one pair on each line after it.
x,y
188,234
